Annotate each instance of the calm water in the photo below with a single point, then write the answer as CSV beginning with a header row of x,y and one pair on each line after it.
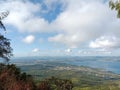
x,y
106,63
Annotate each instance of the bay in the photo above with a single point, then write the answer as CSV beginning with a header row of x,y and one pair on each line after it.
x,y
106,63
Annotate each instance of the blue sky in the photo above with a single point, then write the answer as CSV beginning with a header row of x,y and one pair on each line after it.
x,y
61,27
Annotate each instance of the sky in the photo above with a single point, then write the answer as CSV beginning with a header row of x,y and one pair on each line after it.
x,y
61,27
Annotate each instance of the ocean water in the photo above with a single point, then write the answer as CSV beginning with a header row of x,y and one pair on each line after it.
x,y
106,63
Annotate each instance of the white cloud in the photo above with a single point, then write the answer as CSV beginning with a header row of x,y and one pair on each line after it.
x,y
79,22
29,39
83,21
68,50
35,50
94,52
71,40
105,42
22,16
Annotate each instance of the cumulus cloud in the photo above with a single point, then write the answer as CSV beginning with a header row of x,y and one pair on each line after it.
x,y
23,15
29,39
71,41
79,22
105,42
83,21
68,50
35,50
94,52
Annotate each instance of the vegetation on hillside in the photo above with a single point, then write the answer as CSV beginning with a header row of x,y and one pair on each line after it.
x,y
11,78
83,78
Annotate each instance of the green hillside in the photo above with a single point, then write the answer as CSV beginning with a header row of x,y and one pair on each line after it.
x,y
83,78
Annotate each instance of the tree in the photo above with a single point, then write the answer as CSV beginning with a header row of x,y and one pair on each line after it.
x,y
11,78
115,5
55,84
2,16
5,49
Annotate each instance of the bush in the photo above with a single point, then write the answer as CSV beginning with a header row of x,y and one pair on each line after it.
x,y
11,78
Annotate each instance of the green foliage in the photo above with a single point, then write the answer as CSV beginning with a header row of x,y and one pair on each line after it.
x,y
82,78
5,49
55,84
11,78
106,86
116,6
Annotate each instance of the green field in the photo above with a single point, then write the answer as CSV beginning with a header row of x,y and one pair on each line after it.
x,y
83,78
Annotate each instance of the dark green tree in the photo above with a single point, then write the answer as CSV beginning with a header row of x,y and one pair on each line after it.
x,y
5,48
115,6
